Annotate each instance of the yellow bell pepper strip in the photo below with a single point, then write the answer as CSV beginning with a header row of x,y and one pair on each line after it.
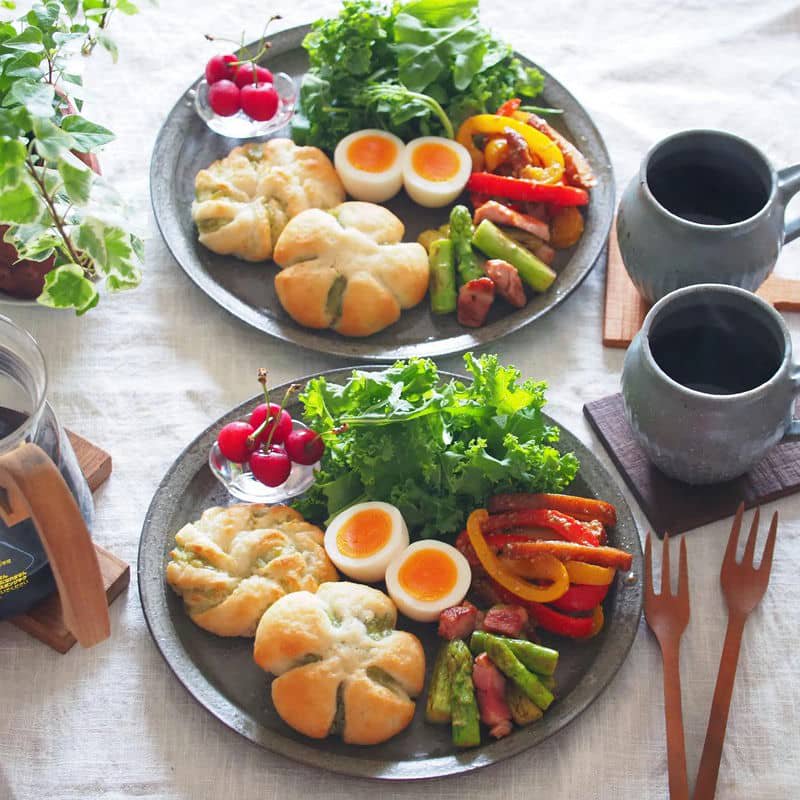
x,y
514,584
589,574
495,153
598,620
525,190
541,147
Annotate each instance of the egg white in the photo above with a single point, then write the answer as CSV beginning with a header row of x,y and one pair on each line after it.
x,y
372,568
434,194
371,187
422,610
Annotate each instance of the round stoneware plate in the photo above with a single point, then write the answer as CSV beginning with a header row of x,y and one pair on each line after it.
x,y
185,145
221,675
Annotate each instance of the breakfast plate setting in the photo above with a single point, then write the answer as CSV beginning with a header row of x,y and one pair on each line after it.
x,y
366,563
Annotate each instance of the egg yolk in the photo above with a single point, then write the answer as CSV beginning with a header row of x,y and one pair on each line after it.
x,y
428,574
435,162
365,533
372,153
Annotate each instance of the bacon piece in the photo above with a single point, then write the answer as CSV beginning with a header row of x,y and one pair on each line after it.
x,y
544,253
503,215
458,622
475,298
583,508
508,620
507,282
569,551
519,154
576,168
490,688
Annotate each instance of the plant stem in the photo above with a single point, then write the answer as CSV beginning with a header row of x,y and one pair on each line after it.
x,y
83,263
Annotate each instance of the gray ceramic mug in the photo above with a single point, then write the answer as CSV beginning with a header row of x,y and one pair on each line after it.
x,y
706,207
709,384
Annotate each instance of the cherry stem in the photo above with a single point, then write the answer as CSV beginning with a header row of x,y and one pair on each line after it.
x,y
263,46
262,379
289,392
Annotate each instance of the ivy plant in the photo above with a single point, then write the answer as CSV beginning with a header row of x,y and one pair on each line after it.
x,y
55,206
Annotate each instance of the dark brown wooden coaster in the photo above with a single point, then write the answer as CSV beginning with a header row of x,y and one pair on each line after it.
x,y
675,507
44,620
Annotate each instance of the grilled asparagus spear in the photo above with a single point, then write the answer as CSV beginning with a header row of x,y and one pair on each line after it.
x,y
461,231
437,709
464,706
443,277
511,666
536,658
523,709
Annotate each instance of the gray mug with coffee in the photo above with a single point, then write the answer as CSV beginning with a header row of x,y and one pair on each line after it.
x,y
709,384
706,207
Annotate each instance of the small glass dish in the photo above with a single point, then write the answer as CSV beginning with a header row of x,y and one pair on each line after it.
x,y
241,484
239,125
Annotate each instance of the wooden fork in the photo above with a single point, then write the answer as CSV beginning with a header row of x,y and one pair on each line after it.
x,y
743,586
668,615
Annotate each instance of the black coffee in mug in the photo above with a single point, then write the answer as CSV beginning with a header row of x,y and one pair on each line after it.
x,y
720,351
708,185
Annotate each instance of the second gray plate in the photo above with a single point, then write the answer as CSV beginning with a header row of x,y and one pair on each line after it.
x,y
221,675
185,145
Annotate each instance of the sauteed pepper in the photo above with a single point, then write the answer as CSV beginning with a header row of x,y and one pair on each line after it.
x,y
542,148
552,568
526,190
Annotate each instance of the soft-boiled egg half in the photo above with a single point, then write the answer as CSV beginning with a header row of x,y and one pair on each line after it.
x,y
370,165
426,578
435,170
363,539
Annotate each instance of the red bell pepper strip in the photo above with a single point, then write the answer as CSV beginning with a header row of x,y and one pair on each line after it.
x,y
509,107
562,624
568,527
528,191
580,597
548,618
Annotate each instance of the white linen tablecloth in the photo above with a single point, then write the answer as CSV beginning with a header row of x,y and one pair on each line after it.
x,y
145,372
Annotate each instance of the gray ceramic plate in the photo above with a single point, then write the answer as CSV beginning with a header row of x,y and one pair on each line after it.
x,y
221,675
185,145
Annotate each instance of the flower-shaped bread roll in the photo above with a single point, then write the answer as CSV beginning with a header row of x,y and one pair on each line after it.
x,y
243,201
341,666
347,269
234,562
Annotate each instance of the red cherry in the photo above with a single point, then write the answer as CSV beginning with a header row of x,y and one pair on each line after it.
x,y
304,446
284,425
223,97
221,67
252,73
232,441
271,467
259,101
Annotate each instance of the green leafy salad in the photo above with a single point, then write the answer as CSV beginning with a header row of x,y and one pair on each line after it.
x,y
435,450
415,68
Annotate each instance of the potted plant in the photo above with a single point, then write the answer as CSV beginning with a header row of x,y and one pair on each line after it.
x,y
64,230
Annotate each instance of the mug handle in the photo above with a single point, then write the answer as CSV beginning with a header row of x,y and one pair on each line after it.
x,y
31,487
789,186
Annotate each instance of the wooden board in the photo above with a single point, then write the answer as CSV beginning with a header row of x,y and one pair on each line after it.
x,y
625,308
44,620
673,506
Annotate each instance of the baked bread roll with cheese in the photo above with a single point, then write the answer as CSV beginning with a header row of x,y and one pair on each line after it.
x,y
342,668
243,201
233,563
347,269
